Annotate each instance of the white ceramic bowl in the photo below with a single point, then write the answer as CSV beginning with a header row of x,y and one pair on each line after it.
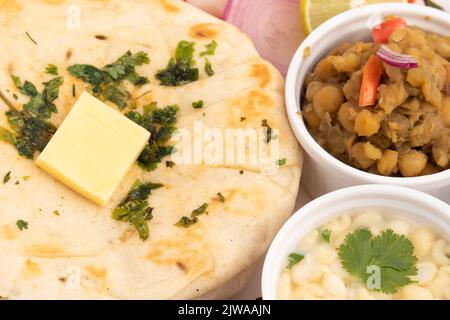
x,y
322,172
416,205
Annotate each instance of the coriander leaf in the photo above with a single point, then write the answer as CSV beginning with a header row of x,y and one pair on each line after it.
x,y
210,49
32,133
185,52
393,254
221,197
281,162
180,70
52,69
186,222
208,68
198,104
116,95
56,213
7,177
200,210
135,209
161,124
28,89
88,74
325,234
293,259
16,80
21,224
7,136
268,130
108,84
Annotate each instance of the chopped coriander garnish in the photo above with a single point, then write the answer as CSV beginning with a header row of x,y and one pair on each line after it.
x,y
135,209
52,69
210,49
293,259
17,182
208,68
268,130
326,233
221,197
7,177
26,178
243,119
21,224
181,69
281,162
391,253
198,104
7,136
108,83
170,164
161,124
186,222
16,80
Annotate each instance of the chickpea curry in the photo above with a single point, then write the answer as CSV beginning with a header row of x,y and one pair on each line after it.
x,y
384,106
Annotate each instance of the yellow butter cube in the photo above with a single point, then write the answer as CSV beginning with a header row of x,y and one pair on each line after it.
x,y
93,149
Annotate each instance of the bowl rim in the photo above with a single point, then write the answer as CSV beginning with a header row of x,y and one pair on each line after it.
x,y
313,149
269,280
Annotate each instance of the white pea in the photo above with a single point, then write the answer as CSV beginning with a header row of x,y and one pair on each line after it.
x,y
336,268
422,240
309,240
308,291
399,226
415,292
334,286
284,286
426,271
440,283
338,226
440,251
368,219
325,254
307,270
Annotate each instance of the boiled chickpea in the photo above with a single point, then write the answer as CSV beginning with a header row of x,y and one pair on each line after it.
x,y
346,116
312,90
366,123
325,69
412,163
310,116
372,152
388,162
328,99
359,155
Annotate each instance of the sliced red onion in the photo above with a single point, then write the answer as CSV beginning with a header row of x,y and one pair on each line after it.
x,y
214,7
273,25
396,59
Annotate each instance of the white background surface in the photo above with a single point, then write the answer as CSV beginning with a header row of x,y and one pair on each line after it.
x,y
253,289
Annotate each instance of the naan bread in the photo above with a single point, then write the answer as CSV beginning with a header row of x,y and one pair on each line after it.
x,y
211,259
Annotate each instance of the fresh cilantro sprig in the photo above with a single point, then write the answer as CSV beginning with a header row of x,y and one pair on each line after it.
x,y
135,209
108,83
161,124
181,69
392,253
210,49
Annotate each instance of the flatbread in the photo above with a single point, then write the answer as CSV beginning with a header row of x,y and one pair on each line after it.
x,y
84,253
